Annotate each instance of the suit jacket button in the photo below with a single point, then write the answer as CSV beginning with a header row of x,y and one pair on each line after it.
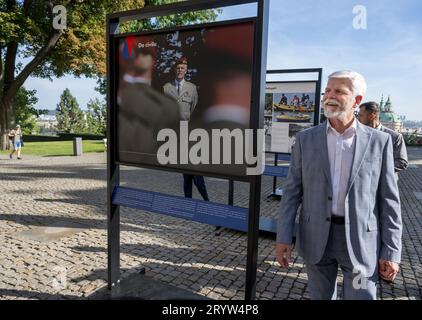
x,y
328,219
330,198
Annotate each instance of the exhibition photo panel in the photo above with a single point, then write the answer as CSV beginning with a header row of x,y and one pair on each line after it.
x,y
289,108
177,89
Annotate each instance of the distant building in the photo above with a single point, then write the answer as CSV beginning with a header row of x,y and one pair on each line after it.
x,y
47,124
388,117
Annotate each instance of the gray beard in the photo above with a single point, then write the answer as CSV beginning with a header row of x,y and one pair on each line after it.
x,y
340,114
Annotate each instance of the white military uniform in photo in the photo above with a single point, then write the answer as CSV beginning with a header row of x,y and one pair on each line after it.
x,y
186,95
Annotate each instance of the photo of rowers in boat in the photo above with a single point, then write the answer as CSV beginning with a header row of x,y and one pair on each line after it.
x,y
293,107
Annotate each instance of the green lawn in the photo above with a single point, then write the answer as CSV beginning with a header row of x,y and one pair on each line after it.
x,y
58,148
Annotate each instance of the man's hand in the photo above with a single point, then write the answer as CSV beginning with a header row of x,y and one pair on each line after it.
x,y
283,254
388,270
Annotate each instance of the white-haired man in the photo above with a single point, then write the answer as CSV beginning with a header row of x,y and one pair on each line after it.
x,y
342,173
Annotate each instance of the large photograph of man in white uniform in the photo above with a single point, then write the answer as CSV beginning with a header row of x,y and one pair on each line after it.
x,y
182,90
186,95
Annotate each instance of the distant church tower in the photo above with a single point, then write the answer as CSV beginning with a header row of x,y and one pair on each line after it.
x,y
388,118
382,103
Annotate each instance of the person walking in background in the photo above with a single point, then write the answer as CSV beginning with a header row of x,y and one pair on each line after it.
x,y
16,135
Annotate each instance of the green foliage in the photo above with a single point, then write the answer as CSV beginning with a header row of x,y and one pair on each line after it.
x,y
101,86
413,139
174,20
80,49
96,117
268,101
26,32
70,118
25,111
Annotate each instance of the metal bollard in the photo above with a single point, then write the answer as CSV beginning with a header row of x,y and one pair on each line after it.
x,y
77,146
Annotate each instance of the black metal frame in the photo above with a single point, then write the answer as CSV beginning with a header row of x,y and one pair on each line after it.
x,y
256,122
293,81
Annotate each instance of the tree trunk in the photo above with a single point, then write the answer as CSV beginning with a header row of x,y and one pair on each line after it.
x,y
2,126
6,122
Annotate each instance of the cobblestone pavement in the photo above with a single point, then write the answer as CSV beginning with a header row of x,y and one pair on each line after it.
x,y
64,198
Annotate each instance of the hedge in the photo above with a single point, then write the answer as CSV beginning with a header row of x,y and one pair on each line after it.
x,y
61,137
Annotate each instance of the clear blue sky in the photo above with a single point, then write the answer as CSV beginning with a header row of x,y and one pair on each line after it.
x,y
320,33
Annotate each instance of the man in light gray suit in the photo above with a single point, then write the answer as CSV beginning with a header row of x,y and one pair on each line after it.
x,y
369,115
342,173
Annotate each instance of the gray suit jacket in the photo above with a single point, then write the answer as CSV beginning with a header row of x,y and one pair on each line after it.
x,y
399,149
187,99
372,215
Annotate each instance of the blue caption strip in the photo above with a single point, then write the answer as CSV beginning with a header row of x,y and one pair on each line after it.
x,y
283,157
196,210
276,171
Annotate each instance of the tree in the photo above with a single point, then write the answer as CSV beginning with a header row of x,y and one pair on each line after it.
x,y
70,118
25,111
96,117
79,49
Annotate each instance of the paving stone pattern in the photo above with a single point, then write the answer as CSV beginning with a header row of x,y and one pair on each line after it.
x,y
39,194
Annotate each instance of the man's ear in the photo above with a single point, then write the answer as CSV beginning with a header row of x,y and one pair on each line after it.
x,y
358,100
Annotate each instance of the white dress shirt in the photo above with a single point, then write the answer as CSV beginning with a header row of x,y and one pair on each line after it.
x,y
179,85
341,149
